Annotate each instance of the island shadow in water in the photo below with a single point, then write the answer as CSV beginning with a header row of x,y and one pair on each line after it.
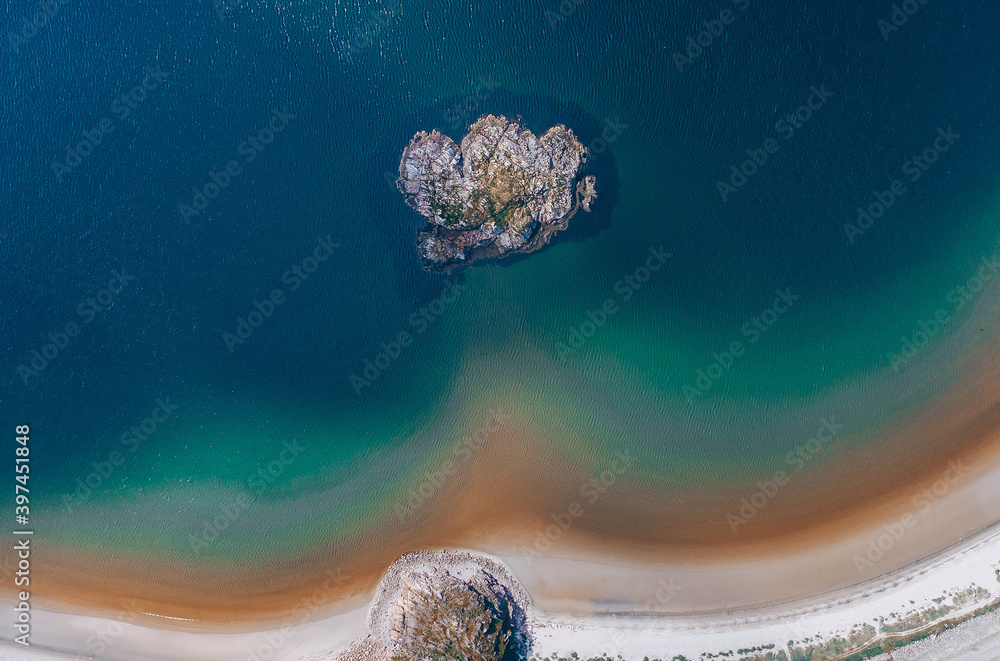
x,y
453,117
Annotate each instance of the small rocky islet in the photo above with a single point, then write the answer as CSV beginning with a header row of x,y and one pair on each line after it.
x,y
504,190
445,606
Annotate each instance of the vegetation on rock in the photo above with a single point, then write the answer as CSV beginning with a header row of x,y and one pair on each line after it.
x,y
503,190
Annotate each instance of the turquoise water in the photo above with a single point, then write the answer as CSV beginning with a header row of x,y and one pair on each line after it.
x,y
360,79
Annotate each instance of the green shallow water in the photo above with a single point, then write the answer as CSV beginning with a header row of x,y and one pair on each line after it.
x,y
499,343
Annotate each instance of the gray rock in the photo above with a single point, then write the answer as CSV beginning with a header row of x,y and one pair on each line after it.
x,y
446,606
504,190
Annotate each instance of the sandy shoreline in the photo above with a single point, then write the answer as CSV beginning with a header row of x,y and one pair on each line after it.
x,y
899,605
934,480
707,586
759,565
583,601
926,596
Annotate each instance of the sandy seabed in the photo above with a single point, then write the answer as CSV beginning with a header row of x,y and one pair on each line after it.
x,y
960,586
910,518
597,589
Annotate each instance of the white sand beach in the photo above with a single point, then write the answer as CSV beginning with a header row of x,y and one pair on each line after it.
x,y
945,589
880,586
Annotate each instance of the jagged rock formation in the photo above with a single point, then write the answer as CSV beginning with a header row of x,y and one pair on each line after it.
x,y
503,191
446,606
440,616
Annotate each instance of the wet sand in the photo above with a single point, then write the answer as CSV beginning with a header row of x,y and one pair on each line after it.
x,y
507,500
805,541
908,602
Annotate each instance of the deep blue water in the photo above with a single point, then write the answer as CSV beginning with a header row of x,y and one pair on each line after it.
x,y
360,78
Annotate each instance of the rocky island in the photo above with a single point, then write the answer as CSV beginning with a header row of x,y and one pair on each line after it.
x,y
446,606
503,191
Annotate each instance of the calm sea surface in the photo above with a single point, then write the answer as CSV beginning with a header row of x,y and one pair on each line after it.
x,y
303,252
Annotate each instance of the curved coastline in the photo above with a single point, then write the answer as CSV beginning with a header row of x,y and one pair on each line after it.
x,y
463,514
668,535
906,605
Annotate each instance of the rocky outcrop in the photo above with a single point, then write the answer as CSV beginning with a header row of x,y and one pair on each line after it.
x,y
441,616
504,190
446,606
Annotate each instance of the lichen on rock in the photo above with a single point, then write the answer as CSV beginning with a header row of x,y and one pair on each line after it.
x,y
503,190
446,606
443,617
